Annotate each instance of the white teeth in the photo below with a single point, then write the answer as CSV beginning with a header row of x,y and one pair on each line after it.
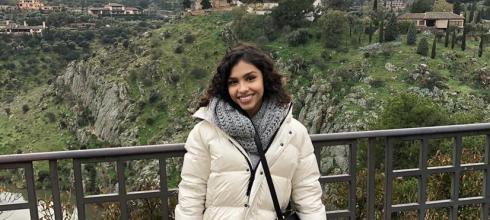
x,y
245,98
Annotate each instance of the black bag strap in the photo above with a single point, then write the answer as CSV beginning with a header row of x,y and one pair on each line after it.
x,y
268,176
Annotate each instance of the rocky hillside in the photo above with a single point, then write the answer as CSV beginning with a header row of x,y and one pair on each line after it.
x,y
142,90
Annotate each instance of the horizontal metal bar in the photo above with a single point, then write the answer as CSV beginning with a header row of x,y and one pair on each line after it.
x,y
168,149
14,206
110,197
473,166
402,132
404,207
439,203
13,166
335,178
471,200
338,213
406,172
143,194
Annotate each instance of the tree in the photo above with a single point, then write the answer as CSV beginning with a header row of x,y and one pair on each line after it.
x,y
463,40
433,52
408,110
457,8
472,12
412,35
421,6
453,38
381,28
205,4
186,4
446,37
477,18
333,24
391,32
480,47
423,47
375,5
442,6
291,12
338,4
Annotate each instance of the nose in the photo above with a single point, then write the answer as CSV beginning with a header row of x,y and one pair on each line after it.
x,y
242,87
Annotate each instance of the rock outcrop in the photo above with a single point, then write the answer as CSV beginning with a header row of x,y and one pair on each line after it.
x,y
104,102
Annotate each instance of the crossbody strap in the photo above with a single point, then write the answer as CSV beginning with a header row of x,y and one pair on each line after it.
x,y
268,177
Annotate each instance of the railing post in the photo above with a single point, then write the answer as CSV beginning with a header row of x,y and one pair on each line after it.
x,y
458,150
163,187
388,177
371,177
77,171
55,190
352,183
121,183
423,154
31,190
486,179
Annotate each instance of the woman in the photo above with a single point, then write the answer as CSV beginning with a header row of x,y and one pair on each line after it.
x,y
222,177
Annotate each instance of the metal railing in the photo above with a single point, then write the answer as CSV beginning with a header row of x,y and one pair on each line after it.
x,y
388,138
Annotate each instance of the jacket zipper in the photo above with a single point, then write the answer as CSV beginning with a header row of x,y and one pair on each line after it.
x,y
252,171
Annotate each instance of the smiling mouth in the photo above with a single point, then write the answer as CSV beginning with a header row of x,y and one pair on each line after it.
x,y
245,99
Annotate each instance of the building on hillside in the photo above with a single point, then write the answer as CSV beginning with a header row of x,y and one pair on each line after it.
x,y
13,28
396,5
113,9
38,5
29,4
439,20
214,4
262,8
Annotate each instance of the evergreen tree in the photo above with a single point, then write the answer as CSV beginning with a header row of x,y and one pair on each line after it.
x,y
186,4
457,8
433,52
421,6
442,6
205,4
423,47
381,28
472,12
412,35
480,47
463,40
370,31
453,39
333,24
446,37
391,32
291,12
477,18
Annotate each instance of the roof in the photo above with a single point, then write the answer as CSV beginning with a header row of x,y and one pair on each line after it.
x,y
115,5
432,15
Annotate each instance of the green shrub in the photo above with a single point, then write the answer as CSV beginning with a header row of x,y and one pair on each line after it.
x,y
298,37
198,73
25,108
423,47
179,49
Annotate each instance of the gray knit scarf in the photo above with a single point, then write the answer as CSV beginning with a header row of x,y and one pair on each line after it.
x,y
267,121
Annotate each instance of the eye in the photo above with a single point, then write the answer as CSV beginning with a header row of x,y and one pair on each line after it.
x,y
250,78
232,82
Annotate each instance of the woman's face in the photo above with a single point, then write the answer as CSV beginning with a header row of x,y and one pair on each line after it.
x,y
246,87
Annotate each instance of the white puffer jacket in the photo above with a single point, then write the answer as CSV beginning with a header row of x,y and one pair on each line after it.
x,y
216,175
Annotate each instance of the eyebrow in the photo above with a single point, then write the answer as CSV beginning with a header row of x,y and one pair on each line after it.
x,y
246,74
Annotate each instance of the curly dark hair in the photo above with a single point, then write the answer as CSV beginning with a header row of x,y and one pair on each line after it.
x,y
273,81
